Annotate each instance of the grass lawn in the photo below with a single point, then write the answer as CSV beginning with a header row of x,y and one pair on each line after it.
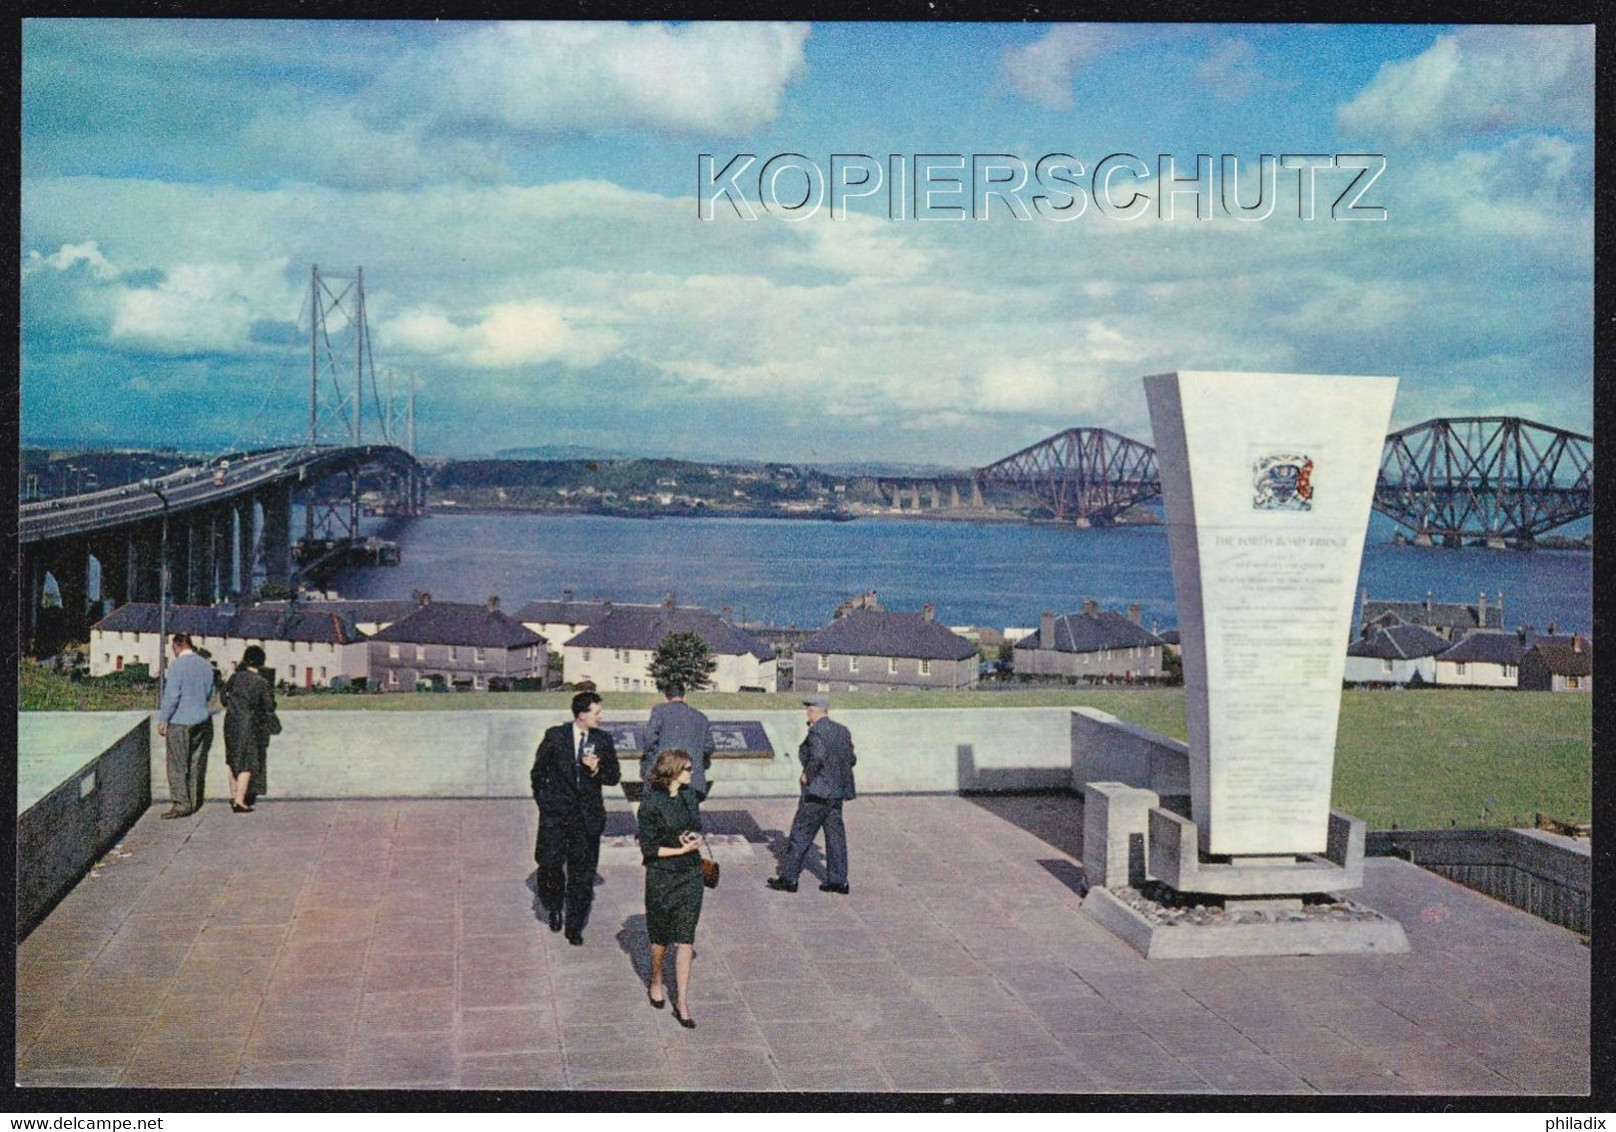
x,y
1417,760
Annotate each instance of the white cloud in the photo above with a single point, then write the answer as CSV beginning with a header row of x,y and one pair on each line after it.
x,y
506,335
1481,80
724,78
203,306
1043,71
70,255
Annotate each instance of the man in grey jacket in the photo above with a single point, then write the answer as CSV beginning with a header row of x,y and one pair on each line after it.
x,y
183,719
827,781
676,726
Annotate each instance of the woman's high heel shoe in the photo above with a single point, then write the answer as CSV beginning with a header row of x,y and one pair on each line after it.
x,y
658,1003
683,1020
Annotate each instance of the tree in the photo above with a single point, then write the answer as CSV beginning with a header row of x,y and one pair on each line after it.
x,y
683,659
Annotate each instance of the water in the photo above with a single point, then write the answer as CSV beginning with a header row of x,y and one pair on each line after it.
x,y
797,572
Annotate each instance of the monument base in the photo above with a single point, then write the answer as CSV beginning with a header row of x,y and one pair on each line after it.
x,y
1158,930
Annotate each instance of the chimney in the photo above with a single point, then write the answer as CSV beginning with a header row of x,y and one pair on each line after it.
x,y
1046,630
1500,607
1427,600
566,595
1133,614
667,602
1576,642
724,614
1090,607
928,611
605,607
426,598
1481,612
1552,627
493,603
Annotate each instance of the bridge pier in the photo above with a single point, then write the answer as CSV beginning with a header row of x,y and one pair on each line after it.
x,y
275,537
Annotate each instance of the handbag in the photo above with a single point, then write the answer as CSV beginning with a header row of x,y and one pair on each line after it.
x,y
709,867
274,723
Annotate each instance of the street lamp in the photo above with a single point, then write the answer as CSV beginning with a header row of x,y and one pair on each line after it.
x,y
162,591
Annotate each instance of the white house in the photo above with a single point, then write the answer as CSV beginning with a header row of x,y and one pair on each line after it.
x,y
615,652
1483,659
1402,654
306,648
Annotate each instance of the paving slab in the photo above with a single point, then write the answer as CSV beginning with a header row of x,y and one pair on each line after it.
x,y
397,944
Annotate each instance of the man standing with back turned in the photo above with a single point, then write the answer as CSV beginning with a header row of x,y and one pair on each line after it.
x,y
573,762
184,721
827,781
676,725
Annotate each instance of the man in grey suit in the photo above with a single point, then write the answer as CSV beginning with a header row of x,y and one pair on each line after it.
x,y
676,726
827,781
183,719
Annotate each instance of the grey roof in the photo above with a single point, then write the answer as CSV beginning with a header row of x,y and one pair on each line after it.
x,y
459,623
643,627
251,623
1488,647
1442,614
1400,642
866,632
382,612
571,612
1091,632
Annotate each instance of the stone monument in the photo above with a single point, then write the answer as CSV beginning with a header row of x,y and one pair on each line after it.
x,y
1267,481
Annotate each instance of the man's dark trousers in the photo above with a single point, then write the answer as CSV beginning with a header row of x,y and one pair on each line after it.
x,y
187,746
568,856
813,813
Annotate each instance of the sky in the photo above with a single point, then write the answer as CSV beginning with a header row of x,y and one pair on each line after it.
x,y
550,255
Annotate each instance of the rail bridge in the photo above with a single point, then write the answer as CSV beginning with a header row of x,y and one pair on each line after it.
x,y
214,527
1501,480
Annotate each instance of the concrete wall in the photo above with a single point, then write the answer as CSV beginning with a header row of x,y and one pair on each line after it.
x,y
478,754
82,780
1542,873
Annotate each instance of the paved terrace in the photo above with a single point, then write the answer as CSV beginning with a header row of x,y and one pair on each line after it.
x,y
395,944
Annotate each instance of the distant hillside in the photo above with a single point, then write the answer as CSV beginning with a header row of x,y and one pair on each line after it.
x,y
561,452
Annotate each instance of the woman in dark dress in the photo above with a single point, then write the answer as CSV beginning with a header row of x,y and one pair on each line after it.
x,y
670,845
249,705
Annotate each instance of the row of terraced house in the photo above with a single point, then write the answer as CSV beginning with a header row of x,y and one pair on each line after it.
x,y
1410,643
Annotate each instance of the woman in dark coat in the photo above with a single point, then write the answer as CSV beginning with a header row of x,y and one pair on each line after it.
x,y
670,845
249,706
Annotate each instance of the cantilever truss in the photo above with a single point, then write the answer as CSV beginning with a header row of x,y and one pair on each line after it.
x,y
1500,478
1082,474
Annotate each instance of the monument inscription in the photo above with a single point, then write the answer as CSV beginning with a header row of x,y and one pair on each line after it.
x,y
1268,481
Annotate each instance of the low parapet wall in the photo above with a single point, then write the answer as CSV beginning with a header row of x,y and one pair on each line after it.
x,y
82,779
1542,873
488,754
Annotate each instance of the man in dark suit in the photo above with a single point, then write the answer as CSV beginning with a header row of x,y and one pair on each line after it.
x,y
676,725
827,781
573,762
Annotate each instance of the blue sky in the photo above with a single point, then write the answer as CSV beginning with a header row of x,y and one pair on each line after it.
x,y
524,201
